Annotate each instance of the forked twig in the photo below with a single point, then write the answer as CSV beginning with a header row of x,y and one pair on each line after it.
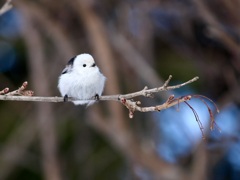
x,y
21,91
21,94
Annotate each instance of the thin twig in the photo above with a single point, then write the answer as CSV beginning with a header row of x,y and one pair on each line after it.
x,y
212,122
21,94
133,106
21,91
32,98
165,87
167,81
4,91
6,7
145,92
197,119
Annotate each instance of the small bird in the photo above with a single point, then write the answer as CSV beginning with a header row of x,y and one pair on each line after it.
x,y
81,79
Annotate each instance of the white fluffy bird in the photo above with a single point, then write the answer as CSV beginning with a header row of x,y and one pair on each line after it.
x,y
81,79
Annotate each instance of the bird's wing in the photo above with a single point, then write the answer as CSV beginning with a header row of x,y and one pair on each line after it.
x,y
67,69
69,66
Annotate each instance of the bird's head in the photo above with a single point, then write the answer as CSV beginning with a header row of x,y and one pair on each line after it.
x,y
84,62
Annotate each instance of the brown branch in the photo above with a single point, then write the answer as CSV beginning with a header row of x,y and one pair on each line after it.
x,y
21,94
11,96
4,91
21,91
197,119
6,7
148,92
133,106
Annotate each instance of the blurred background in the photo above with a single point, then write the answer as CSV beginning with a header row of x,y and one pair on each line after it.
x,y
135,44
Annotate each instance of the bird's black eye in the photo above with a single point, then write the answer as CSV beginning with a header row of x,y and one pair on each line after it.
x,y
84,65
94,65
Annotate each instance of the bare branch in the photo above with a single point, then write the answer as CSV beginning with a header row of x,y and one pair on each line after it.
x,y
21,94
134,105
21,91
11,96
197,119
212,123
167,81
147,92
6,7
32,98
4,91
126,99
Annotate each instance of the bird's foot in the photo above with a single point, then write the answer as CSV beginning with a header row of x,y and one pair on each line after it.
x,y
65,98
96,97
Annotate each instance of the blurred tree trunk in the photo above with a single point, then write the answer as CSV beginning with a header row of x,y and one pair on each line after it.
x,y
43,111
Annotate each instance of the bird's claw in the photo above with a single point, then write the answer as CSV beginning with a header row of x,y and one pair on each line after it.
x,y
96,97
65,98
